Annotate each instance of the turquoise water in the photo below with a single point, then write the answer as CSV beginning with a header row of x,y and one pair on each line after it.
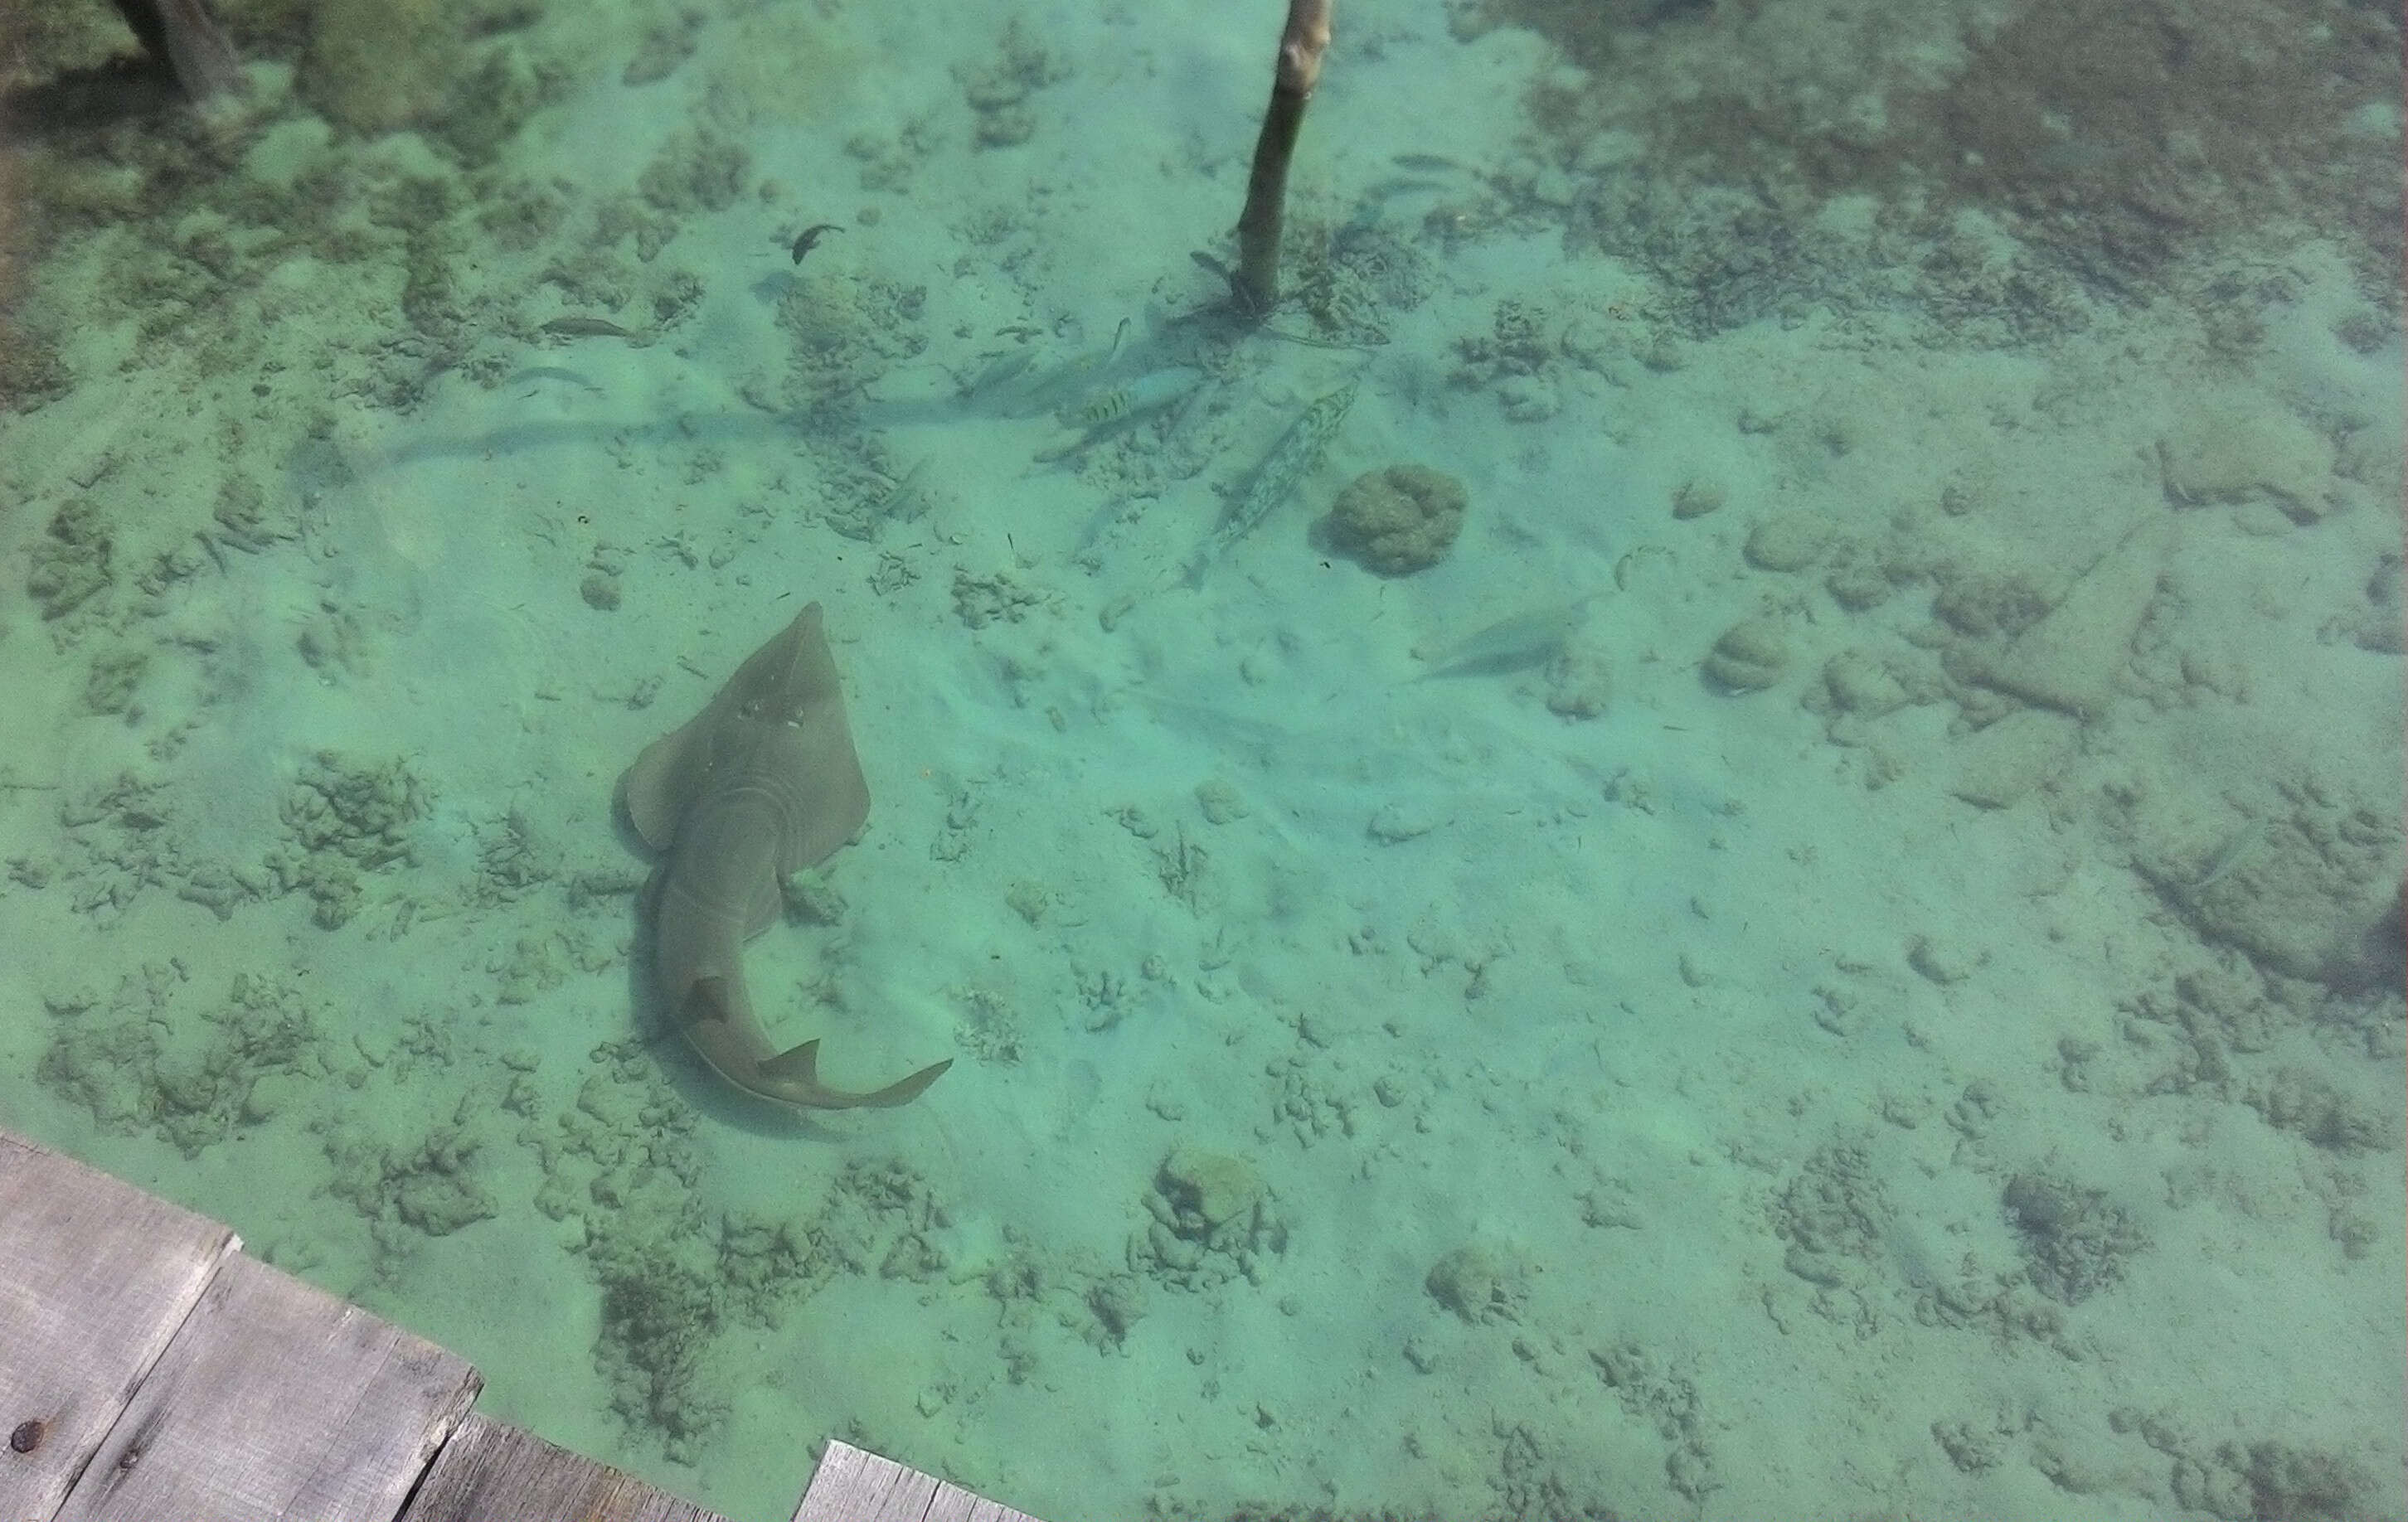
x,y
1714,833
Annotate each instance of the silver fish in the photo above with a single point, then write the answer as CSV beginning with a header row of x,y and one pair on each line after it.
x,y
1277,478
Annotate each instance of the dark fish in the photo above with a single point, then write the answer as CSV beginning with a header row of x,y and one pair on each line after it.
x,y
586,327
808,238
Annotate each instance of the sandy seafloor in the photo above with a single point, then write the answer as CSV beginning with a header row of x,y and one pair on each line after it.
x,y
1882,1002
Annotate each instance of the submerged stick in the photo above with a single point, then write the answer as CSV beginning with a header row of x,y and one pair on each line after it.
x,y
185,36
1255,287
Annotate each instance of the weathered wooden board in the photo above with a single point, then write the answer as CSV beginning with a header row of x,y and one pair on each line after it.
x,y
492,1472
95,1276
149,1372
276,1400
854,1485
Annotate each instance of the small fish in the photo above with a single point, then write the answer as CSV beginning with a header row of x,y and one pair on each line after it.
x,y
998,368
2223,863
1529,638
552,372
1276,478
905,499
1046,392
1149,393
1394,186
586,327
808,238
1114,404
1112,515
1123,408
1427,163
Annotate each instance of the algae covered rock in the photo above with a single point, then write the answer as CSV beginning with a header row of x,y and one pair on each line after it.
x,y
375,65
2075,1241
1482,1282
148,1060
2239,449
1398,520
1750,656
2072,655
1697,496
428,1184
1214,1221
2309,887
1788,541
72,563
344,821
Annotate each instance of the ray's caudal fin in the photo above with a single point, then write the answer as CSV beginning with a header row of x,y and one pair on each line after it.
x,y
1253,288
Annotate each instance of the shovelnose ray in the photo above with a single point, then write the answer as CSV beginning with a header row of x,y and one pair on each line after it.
x,y
762,783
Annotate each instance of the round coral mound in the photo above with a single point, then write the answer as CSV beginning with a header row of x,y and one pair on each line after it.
x,y
1400,519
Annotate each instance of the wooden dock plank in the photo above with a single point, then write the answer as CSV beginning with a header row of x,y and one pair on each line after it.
x,y
277,1402
852,1485
95,1277
150,1373
492,1472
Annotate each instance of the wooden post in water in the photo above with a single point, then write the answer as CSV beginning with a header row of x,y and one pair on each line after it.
x,y
1255,288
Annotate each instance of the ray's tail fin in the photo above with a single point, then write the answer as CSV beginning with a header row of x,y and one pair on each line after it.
x,y
794,1076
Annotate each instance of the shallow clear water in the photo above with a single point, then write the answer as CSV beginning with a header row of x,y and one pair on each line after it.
x,y
1714,833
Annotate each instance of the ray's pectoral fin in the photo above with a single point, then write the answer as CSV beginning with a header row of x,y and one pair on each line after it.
x,y
647,790
796,1071
786,692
